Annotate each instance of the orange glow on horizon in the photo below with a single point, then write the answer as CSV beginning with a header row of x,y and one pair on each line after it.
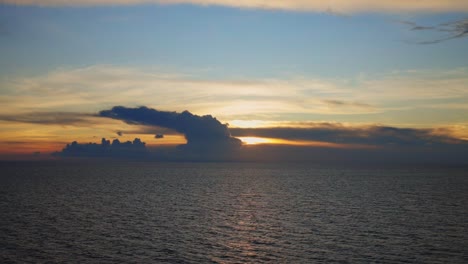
x,y
255,140
303,143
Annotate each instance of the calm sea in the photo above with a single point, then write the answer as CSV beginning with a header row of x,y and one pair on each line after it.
x,y
231,213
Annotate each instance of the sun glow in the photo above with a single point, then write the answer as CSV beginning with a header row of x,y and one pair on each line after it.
x,y
304,143
254,140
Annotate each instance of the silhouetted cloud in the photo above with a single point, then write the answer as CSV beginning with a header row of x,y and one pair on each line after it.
x,y
116,149
456,29
372,135
119,133
203,133
210,140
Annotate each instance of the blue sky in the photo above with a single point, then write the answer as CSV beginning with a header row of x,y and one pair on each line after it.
x,y
227,42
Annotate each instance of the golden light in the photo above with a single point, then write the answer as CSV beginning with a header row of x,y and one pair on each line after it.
x,y
249,123
254,140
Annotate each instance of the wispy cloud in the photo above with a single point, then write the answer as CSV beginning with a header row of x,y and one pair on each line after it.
x,y
51,118
95,87
341,103
450,30
346,6
90,89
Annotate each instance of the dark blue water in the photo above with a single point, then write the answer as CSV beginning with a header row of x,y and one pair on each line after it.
x,y
231,213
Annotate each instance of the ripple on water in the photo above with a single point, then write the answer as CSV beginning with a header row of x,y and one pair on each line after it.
x,y
231,213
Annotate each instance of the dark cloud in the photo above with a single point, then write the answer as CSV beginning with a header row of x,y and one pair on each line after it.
x,y
210,140
380,145
49,118
119,133
116,149
453,30
149,130
204,134
336,133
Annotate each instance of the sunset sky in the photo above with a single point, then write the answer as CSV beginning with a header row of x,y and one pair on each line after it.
x,y
355,74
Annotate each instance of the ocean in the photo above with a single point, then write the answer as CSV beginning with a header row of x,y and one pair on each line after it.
x,y
142,212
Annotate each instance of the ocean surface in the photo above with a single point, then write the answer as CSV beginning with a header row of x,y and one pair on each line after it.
x,y
131,212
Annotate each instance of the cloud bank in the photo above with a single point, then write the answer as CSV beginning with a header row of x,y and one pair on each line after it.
x,y
379,136
203,133
347,6
116,149
210,140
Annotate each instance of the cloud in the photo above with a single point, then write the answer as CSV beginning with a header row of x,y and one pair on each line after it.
x,y
116,149
50,118
94,88
364,143
346,6
210,140
451,30
415,27
342,103
203,133
379,136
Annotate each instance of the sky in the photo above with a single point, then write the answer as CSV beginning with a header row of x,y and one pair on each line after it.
x,y
272,79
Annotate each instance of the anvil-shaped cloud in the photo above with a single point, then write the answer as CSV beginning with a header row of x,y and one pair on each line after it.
x,y
203,133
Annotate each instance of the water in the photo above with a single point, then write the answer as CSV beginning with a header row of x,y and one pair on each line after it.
x,y
231,213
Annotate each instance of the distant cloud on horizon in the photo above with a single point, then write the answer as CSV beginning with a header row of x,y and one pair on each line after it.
x,y
207,130
208,139
340,6
203,133
116,149
378,136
